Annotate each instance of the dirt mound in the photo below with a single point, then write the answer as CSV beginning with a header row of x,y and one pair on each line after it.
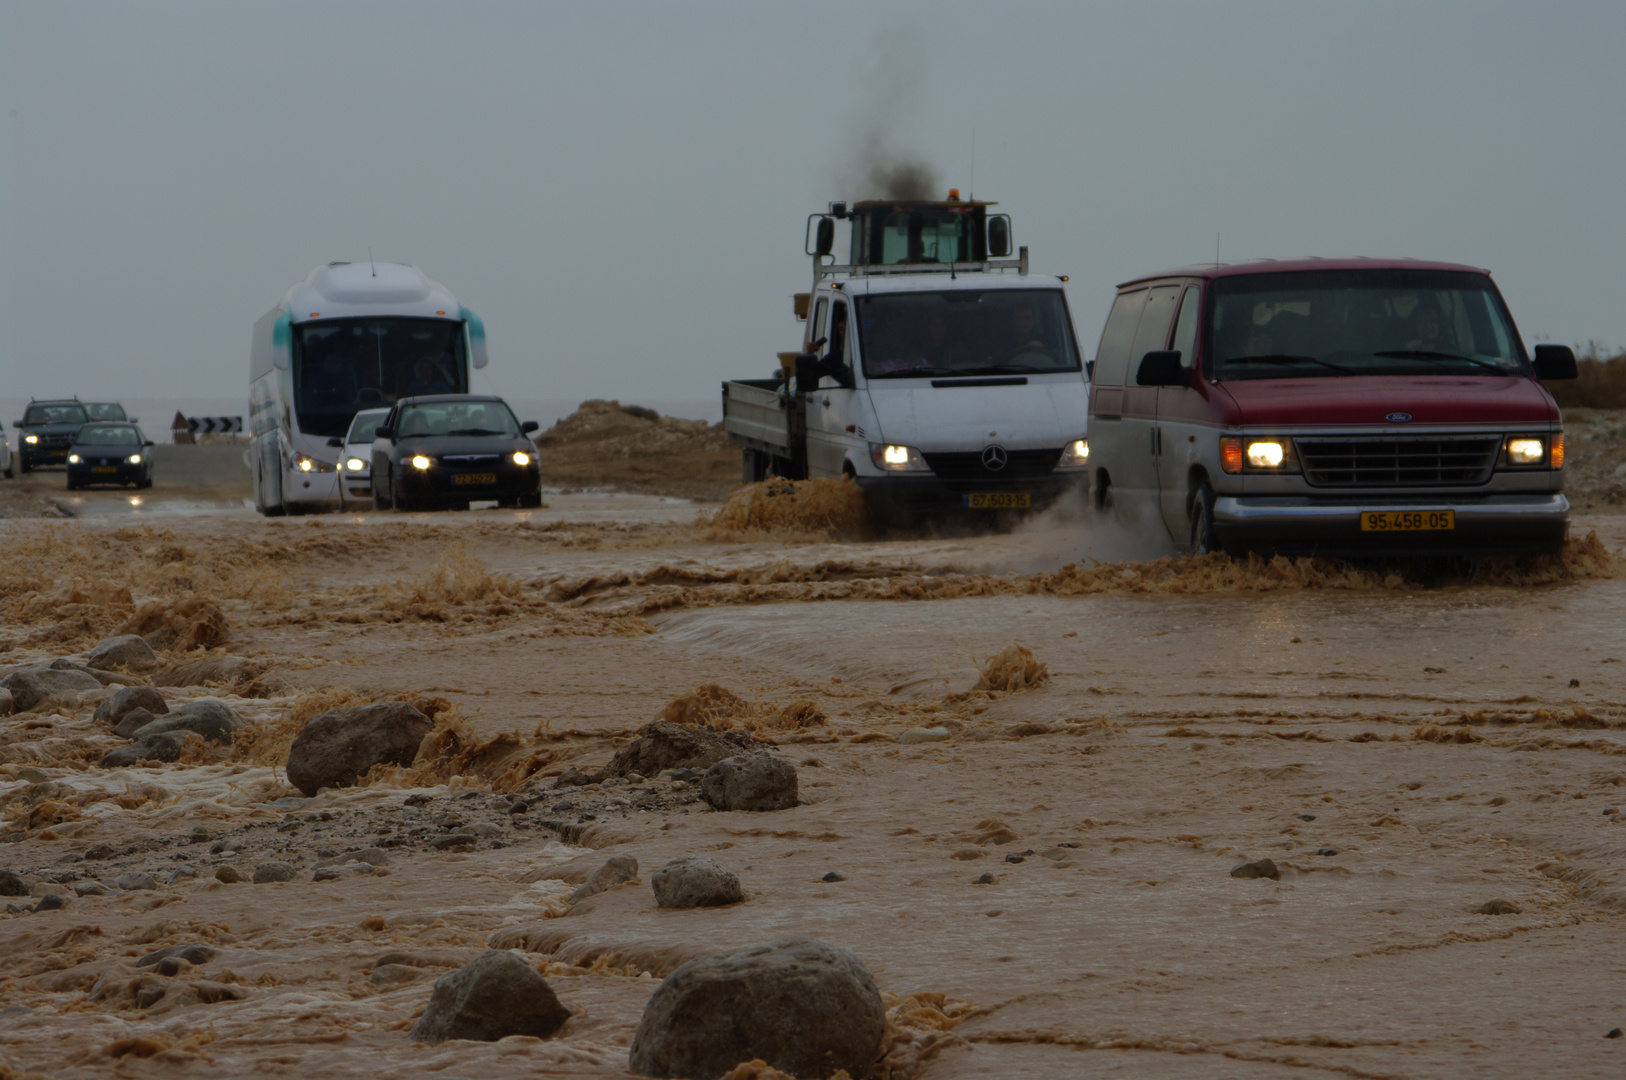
x,y
827,507
605,444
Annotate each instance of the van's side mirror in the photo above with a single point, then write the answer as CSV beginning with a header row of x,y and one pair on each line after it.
x,y
1161,368
381,432
336,442
529,426
999,236
1555,362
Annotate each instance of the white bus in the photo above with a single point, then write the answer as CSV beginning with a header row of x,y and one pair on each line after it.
x,y
351,336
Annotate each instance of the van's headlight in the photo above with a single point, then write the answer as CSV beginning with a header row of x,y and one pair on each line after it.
x,y
355,464
306,463
134,459
1266,454
31,439
74,459
1075,455
892,458
1531,452
1242,454
420,462
521,458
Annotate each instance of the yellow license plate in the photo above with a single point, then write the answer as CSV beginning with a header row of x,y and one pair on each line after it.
x,y
475,478
998,500
105,468
1408,520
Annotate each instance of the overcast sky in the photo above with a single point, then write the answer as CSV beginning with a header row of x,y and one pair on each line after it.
x,y
620,190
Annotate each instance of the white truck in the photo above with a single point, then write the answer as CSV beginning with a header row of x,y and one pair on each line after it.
x,y
936,372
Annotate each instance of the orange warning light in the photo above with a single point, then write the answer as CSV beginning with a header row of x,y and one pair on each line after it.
x,y
954,194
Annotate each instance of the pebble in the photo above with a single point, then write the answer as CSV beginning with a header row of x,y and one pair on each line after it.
x,y
390,974
618,869
1306,817
1574,683
273,871
420,799
832,876
50,902
520,807
228,874
1614,1033
1500,907
453,840
925,735
1611,811
196,952
1015,858
132,880
330,873
97,852
486,830
1264,868
986,879
1326,851
180,873
89,888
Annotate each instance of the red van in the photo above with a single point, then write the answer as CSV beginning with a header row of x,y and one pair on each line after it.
x,y
1328,406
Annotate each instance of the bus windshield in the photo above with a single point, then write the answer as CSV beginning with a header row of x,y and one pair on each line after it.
x,y
344,365
966,332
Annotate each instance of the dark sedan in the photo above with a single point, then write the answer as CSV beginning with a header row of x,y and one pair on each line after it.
x,y
446,450
110,454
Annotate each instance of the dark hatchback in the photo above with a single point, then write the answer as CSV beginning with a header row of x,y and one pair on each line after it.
x,y
46,431
446,450
110,454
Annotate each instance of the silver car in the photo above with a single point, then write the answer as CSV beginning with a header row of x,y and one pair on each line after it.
x,y
355,459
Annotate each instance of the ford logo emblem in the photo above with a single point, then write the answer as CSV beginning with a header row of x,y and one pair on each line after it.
x,y
994,458
1398,417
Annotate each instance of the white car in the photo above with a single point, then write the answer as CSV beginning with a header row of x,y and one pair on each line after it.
x,y
355,459
7,466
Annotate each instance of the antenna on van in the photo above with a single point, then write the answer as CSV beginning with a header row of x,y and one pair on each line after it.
x,y
1216,252
375,267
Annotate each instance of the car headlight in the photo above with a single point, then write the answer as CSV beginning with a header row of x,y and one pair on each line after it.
x,y
521,458
1239,454
74,459
420,462
1075,455
134,459
894,458
1266,454
31,439
306,463
355,464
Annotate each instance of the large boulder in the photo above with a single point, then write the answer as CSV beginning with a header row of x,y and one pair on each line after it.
x,y
338,746
663,745
32,685
124,651
209,717
129,698
802,1006
491,997
695,881
750,782
7,704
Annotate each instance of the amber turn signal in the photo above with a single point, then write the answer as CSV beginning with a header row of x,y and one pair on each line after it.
x,y
1231,454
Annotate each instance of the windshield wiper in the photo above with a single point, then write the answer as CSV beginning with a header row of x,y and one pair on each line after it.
x,y
1003,369
475,431
1430,354
1288,358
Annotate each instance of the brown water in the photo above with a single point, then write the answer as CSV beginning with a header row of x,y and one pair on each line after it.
x,y
1197,714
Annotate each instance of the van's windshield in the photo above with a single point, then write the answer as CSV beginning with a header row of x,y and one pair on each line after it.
x,y
1360,322
965,332
344,365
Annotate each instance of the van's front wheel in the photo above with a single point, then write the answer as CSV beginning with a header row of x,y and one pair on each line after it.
x,y
1204,540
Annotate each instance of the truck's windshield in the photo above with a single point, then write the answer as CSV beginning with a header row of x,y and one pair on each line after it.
x,y
54,414
1360,322
344,365
966,332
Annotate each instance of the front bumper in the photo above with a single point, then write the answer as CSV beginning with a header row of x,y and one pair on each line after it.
x,y
925,494
1298,525
122,473
45,453
439,483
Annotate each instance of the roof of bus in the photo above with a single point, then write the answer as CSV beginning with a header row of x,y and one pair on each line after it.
x,y
347,290
1308,263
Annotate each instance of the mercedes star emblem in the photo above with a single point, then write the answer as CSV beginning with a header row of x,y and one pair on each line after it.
x,y
994,458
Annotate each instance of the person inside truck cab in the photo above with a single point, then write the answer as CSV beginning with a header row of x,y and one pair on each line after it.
x,y
835,357
1026,335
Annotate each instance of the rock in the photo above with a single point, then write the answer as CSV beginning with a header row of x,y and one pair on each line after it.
x,y
12,884
228,874
198,952
832,876
493,996
485,830
132,880
180,873
209,717
1500,907
8,704
226,845
621,868
50,902
390,974
132,722
98,852
663,745
332,873
925,735
802,1006
1264,868
338,746
695,881
1574,683
161,747
372,856
520,807
273,871
1326,851
126,651
1614,1033
452,840
32,685
574,777
750,782
89,888
985,879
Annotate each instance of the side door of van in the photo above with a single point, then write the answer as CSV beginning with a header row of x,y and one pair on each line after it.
x,y
1137,480
1181,412
832,406
1107,394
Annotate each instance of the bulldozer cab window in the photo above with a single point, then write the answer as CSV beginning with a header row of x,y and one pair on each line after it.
x,y
926,236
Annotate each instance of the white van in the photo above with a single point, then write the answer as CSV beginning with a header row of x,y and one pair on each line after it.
x,y
351,336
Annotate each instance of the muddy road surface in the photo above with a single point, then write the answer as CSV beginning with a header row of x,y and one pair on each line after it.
x,y
1026,780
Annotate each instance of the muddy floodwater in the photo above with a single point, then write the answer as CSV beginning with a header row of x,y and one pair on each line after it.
x,y
1033,856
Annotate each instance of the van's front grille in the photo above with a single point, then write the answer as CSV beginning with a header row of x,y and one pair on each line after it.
x,y
965,471
1423,461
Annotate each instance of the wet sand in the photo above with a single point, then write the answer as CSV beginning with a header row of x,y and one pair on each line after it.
x,y
1405,747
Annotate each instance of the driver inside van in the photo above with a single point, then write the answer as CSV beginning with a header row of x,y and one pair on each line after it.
x,y
1025,333
1429,329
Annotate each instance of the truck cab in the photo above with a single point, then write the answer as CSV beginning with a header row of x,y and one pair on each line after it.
x,y
934,372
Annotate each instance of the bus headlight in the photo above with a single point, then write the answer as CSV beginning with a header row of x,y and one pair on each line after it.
x,y
420,462
1075,455
893,458
74,459
521,458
